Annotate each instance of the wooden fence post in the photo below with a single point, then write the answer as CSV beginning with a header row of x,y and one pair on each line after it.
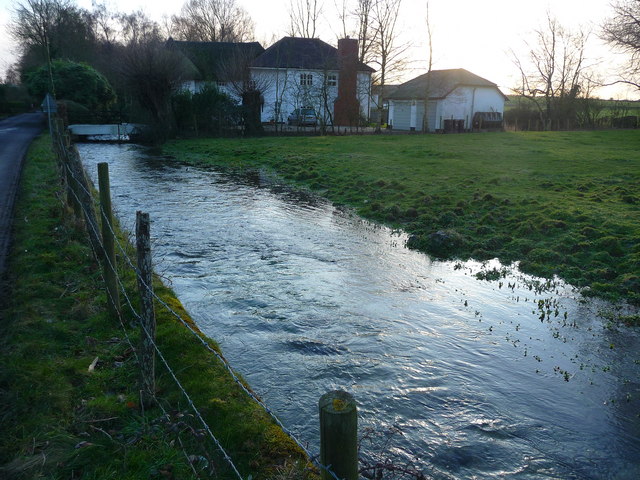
x,y
147,316
83,192
73,197
108,240
338,435
64,163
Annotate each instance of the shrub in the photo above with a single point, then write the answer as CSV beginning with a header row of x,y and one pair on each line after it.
x,y
208,111
72,81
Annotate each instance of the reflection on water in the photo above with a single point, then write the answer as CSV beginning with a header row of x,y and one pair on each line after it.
x,y
473,379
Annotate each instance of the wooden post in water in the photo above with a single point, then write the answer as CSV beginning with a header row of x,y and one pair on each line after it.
x,y
147,315
338,435
108,240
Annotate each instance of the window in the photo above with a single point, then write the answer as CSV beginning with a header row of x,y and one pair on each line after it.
x,y
306,79
332,80
221,83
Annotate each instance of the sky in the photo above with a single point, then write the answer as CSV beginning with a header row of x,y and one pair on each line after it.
x,y
477,36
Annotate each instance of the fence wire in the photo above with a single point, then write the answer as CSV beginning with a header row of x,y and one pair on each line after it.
x,y
124,255
123,289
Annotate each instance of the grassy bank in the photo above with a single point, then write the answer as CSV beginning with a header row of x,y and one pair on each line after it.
x,y
563,203
62,419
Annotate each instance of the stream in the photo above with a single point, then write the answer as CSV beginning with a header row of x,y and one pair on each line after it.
x,y
510,377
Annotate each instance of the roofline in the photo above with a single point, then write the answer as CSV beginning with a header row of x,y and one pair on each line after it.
x,y
337,70
195,42
361,66
495,86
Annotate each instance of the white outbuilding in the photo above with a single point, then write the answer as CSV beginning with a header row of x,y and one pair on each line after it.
x,y
458,100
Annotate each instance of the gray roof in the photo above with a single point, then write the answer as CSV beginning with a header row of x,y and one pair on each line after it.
x,y
302,53
210,57
441,84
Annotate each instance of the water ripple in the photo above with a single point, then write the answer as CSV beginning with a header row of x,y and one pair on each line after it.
x,y
462,378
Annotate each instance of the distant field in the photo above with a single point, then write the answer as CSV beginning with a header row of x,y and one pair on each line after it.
x,y
565,203
609,106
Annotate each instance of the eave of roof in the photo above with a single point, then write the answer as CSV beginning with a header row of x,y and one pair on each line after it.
x,y
441,84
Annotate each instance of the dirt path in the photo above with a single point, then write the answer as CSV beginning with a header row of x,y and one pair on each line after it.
x,y
16,134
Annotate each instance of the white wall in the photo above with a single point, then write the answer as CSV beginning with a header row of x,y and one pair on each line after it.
x,y
457,105
281,87
363,88
463,102
403,115
460,104
400,114
489,100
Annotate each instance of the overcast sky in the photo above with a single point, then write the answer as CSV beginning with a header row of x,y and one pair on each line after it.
x,y
470,34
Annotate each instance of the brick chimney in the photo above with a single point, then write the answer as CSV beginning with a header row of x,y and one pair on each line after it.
x,y
346,108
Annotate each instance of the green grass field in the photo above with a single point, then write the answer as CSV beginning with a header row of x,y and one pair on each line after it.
x,y
62,420
560,203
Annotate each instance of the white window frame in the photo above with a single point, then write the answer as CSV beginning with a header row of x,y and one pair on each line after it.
x,y
306,79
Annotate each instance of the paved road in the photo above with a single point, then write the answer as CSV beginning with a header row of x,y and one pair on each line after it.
x,y
16,134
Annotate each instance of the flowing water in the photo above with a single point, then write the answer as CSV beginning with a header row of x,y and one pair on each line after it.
x,y
459,377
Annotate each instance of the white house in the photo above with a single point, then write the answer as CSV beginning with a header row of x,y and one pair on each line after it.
x,y
458,100
307,72
292,73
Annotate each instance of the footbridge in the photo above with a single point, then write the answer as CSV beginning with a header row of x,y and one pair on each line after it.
x,y
119,131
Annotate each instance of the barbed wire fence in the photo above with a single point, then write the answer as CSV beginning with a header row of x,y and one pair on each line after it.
x,y
80,197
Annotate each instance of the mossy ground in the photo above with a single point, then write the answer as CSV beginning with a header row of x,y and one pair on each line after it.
x,y
561,203
61,421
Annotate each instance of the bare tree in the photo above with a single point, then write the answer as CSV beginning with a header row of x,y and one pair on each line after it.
x,y
213,21
389,53
48,29
367,32
35,21
552,73
12,76
304,16
427,90
343,15
623,31
357,21
152,73
137,28
235,71
104,24
590,108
